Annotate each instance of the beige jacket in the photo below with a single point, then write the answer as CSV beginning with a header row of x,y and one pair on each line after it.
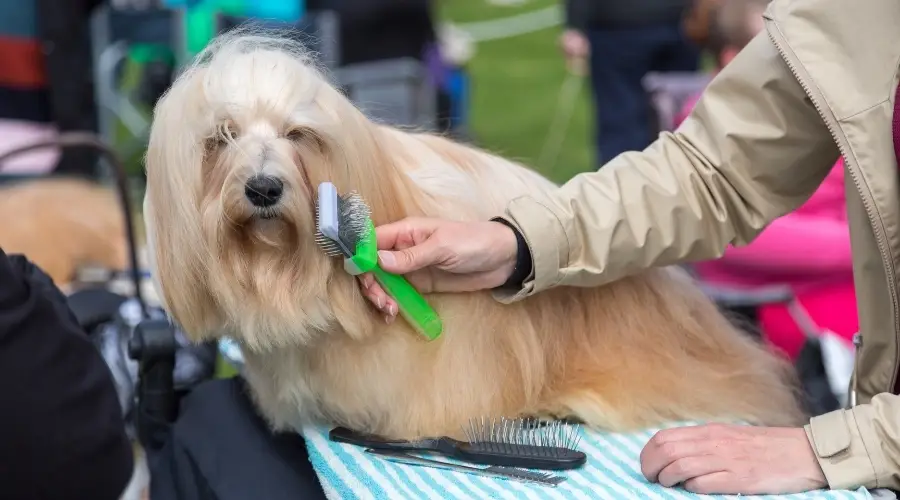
x,y
820,82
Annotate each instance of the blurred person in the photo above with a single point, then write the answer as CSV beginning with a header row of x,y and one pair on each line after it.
x,y
45,83
732,24
620,42
820,84
62,430
808,249
699,19
377,30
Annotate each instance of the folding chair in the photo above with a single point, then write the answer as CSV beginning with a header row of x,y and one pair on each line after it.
x,y
670,91
398,92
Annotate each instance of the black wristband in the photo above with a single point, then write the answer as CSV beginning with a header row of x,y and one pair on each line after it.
x,y
523,267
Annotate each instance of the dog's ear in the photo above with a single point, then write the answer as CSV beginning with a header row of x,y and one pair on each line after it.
x,y
176,266
177,249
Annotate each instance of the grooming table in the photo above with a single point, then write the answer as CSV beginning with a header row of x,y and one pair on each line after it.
x,y
611,472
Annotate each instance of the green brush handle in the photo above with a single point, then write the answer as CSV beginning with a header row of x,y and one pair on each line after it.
x,y
412,305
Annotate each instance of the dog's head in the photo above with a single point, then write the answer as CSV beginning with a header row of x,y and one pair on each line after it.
x,y
237,149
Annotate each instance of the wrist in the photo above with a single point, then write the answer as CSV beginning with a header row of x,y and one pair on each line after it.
x,y
816,474
519,265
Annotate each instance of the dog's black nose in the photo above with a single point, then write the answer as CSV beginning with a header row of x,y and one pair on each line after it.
x,y
263,190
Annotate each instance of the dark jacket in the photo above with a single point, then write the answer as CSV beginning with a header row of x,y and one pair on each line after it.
x,y
375,30
64,31
61,428
588,15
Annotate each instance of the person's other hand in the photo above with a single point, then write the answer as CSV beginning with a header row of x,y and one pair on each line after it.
x,y
439,255
576,48
733,459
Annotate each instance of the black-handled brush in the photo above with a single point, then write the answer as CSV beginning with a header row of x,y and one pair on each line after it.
x,y
522,443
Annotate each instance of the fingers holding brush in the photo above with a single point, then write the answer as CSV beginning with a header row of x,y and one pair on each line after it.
x,y
378,297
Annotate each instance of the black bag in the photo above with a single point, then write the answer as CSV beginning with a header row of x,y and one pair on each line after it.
x,y
221,449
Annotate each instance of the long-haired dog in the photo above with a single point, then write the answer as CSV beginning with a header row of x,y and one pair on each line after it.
x,y
253,115
62,225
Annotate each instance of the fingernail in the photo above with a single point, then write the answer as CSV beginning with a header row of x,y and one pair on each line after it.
x,y
380,303
366,283
392,309
389,319
386,258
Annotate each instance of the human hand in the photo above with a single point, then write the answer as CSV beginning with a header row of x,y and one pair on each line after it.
x,y
438,255
576,48
733,459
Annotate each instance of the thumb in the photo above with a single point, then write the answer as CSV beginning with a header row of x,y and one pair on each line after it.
x,y
405,261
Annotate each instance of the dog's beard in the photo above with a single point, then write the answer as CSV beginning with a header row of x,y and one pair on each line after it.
x,y
234,223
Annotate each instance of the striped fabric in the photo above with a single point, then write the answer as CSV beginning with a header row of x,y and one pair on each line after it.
x,y
612,472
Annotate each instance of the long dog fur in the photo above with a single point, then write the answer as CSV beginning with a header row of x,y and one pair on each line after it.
x,y
641,351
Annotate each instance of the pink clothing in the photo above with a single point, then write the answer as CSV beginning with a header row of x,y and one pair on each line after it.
x,y
808,250
805,249
15,134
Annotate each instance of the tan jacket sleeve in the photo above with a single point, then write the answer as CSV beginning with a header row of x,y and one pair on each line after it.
x,y
753,149
860,446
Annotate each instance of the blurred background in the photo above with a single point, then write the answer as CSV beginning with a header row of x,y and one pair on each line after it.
x,y
517,72
498,64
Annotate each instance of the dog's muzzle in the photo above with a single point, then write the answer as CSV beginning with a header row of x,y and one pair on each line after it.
x,y
263,191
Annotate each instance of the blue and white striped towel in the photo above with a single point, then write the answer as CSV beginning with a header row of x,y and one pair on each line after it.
x,y
612,472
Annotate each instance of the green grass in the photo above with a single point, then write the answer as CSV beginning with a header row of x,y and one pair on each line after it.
x,y
515,86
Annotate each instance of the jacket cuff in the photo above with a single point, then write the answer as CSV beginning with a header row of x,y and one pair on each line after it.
x,y
546,238
847,448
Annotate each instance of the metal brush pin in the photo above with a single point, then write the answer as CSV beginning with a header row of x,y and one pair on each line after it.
x,y
525,437
520,442
351,216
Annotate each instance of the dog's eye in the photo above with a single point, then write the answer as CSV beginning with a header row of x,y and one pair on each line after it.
x,y
297,134
224,134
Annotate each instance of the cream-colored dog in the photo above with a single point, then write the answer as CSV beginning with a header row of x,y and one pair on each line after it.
x,y
238,146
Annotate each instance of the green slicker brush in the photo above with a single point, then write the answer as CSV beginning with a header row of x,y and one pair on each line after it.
x,y
344,228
